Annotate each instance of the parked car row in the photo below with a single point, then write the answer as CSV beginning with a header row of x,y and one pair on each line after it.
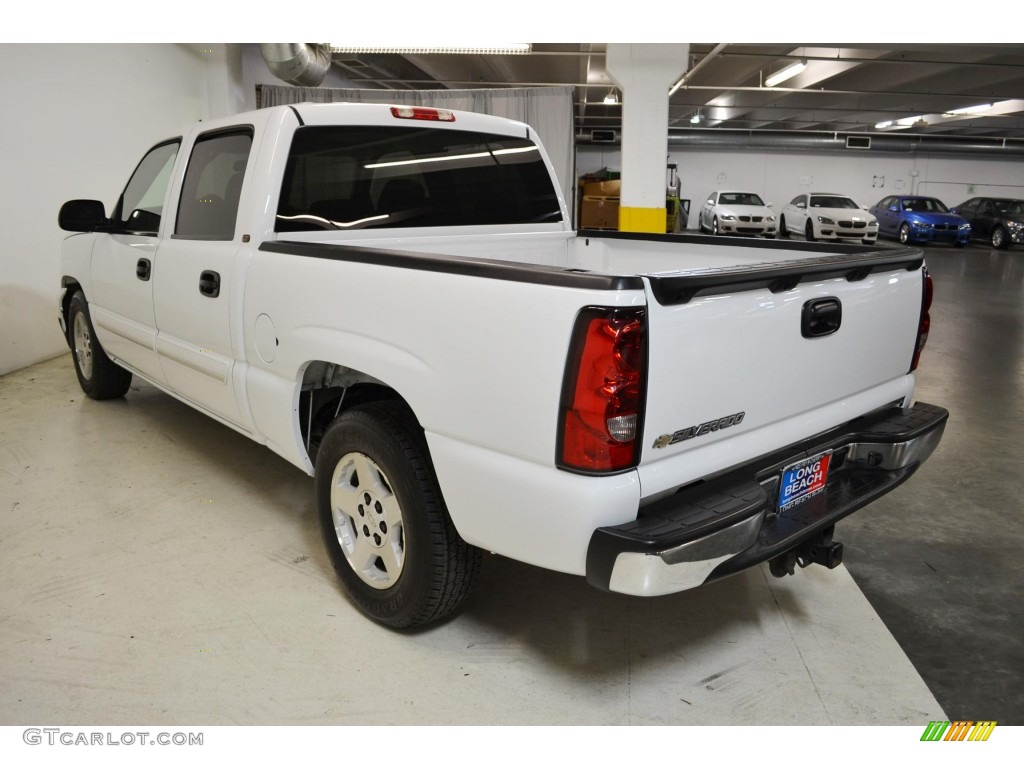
x,y
831,216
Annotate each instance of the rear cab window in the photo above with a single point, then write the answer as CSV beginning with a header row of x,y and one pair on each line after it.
x,y
362,177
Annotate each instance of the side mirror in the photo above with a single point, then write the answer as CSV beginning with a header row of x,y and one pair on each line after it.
x,y
83,216
770,205
893,208
801,204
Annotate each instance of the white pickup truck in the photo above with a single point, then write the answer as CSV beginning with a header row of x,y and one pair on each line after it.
x,y
393,300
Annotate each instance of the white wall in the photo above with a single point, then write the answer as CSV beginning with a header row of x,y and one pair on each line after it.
x,y
865,176
76,120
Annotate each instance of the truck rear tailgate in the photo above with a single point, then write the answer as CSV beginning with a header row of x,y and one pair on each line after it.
x,y
745,359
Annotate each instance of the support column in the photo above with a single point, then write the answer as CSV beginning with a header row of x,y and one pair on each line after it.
x,y
644,72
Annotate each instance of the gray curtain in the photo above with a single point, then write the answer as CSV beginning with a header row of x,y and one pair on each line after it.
x,y
548,110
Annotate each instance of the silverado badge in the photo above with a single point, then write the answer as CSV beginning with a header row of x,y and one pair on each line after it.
x,y
700,429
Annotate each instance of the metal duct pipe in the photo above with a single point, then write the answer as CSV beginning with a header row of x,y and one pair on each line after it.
x,y
814,141
297,63
834,141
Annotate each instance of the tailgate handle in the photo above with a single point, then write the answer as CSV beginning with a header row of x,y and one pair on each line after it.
x,y
821,317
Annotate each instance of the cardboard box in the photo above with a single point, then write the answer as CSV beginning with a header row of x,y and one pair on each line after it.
x,y
611,188
599,213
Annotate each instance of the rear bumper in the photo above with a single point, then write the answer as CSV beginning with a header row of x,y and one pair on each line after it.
x,y
729,523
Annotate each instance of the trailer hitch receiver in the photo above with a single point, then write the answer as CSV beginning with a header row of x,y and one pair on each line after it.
x,y
818,549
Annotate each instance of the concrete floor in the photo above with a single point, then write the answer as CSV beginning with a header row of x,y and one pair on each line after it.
x,y
942,558
159,568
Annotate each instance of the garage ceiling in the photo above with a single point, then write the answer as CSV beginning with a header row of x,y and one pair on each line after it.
x,y
852,88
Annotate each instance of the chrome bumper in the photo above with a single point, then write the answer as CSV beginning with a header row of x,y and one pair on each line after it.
x,y
731,522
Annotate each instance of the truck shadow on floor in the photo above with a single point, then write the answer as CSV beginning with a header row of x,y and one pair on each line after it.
x,y
570,624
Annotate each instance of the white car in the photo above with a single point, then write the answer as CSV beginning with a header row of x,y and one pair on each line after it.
x,y
827,216
737,213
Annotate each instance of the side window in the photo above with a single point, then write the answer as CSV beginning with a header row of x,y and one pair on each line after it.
x,y
142,203
213,186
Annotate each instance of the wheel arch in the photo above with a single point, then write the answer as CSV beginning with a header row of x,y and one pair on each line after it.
x,y
70,286
325,390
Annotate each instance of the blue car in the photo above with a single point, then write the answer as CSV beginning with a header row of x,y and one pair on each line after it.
x,y
911,218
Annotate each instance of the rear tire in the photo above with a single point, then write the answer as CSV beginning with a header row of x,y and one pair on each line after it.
x,y
384,522
99,377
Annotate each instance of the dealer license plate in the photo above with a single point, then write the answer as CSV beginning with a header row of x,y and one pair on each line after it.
x,y
802,480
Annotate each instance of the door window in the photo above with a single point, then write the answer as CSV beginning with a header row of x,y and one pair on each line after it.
x,y
213,186
142,203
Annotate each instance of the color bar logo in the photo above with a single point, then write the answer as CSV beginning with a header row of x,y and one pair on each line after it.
x,y
958,730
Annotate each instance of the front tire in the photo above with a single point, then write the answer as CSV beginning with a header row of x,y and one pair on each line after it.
x,y
383,520
99,377
783,232
904,234
809,232
714,226
999,238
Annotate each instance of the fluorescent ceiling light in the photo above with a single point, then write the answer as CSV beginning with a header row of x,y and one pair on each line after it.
x,y
695,119
906,121
969,110
611,98
508,49
886,124
782,75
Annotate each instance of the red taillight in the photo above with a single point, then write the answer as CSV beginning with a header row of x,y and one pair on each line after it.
x,y
926,320
423,113
602,398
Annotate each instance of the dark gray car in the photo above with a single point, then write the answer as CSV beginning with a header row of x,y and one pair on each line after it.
x,y
999,220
